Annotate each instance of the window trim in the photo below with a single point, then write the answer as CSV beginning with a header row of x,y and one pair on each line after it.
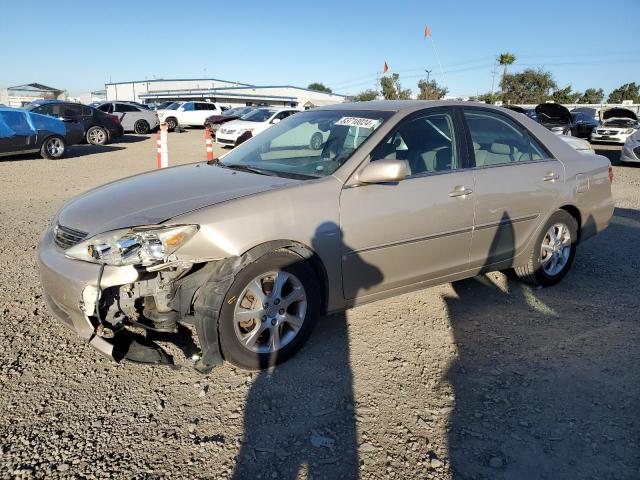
x,y
461,147
529,133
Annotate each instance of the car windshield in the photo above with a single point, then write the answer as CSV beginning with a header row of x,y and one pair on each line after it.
x,y
235,112
258,115
173,106
620,122
309,144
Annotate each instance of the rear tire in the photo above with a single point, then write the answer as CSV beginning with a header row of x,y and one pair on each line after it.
x,y
172,123
141,127
292,319
552,253
53,148
97,136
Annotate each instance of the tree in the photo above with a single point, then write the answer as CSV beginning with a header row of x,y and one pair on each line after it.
x,y
591,95
506,59
488,98
565,95
628,91
529,86
319,87
431,90
366,96
392,89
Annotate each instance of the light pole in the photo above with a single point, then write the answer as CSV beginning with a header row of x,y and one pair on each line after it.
x,y
428,73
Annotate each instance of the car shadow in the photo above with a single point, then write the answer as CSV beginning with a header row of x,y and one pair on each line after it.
x,y
612,154
130,138
299,416
76,151
546,381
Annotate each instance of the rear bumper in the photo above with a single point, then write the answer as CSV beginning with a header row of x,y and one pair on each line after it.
x,y
117,131
70,289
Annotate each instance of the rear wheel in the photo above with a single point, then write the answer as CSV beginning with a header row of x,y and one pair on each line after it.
x,y
97,136
53,148
141,127
269,311
552,254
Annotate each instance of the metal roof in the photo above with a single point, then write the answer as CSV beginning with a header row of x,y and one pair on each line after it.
x,y
177,80
35,87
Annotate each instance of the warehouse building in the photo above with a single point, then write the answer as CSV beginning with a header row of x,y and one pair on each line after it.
x,y
226,93
21,95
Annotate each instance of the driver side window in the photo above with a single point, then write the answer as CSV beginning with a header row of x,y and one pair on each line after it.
x,y
426,143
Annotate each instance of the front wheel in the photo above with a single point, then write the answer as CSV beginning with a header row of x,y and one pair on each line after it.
x,y
316,141
269,311
53,148
552,254
172,123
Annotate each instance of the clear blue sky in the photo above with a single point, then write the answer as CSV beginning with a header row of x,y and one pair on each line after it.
x,y
78,45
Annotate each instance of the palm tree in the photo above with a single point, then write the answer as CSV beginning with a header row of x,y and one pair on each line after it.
x,y
506,59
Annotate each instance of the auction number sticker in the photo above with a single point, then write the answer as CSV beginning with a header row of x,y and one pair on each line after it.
x,y
358,122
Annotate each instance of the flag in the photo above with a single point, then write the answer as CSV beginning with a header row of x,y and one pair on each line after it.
x,y
386,68
427,31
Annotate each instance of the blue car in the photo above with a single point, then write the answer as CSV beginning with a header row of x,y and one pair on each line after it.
x,y
25,132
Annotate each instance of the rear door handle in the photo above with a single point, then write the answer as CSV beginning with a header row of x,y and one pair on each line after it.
x,y
551,177
460,191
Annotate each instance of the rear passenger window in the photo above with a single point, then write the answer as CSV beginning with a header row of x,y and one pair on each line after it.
x,y
427,144
498,140
123,107
107,108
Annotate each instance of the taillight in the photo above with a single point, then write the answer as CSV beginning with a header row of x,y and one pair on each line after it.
x,y
116,119
610,174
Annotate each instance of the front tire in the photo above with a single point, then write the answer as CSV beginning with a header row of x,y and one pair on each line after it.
x,y
53,148
141,127
269,311
172,123
552,253
97,136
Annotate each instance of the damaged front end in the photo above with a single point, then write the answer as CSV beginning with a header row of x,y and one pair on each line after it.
x,y
131,278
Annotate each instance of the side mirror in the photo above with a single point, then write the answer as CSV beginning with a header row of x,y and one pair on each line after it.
x,y
275,120
383,171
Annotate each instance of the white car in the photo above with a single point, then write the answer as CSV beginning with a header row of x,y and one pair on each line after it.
x,y
631,148
193,114
617,125
133,117
233,133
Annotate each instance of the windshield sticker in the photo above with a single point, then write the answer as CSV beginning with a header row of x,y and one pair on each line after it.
x,y
358,122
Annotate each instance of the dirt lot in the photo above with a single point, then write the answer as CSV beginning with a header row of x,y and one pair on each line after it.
x,y
486,378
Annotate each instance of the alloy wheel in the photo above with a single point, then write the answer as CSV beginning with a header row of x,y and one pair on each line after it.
x,y
555,249
55,147
270,312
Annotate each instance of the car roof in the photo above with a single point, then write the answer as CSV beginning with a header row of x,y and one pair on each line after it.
x,y
404,105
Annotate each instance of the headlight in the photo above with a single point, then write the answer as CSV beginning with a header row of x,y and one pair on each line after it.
x,y
133,246
630,130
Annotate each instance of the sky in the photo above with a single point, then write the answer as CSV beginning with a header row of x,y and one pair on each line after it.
x,y
343,44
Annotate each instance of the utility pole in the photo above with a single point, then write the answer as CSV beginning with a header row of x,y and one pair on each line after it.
x,y
494,71
428,73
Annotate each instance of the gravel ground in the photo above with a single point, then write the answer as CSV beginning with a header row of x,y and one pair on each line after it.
x,y
485,378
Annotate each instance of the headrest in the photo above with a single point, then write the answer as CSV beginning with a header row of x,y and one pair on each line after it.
x,y
476,146
500,148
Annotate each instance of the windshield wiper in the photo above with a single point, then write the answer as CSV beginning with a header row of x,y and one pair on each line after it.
x,y
245,168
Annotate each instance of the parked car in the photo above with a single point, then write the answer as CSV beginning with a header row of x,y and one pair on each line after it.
x,y
617,125
22,131
529,112
249,125
133,117
214,121
192,114
253,248
582,124
99,127
555,117
159,106
631,148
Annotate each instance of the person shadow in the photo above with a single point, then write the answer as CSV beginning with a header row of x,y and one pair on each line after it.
x,y
533,387
299,416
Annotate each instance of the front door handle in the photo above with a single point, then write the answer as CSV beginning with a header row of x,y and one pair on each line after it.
x,y
460,191
551,177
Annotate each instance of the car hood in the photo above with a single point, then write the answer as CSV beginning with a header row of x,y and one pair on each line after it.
x,y
553,113
154,197
222,118
619,113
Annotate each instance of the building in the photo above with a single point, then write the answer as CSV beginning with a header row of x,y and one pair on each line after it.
x,y
20,95
226,93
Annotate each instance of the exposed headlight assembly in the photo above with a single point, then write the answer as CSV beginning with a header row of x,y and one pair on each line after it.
x,y
630,130
133,246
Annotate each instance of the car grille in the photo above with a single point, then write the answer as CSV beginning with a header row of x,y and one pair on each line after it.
x,y
607,132
224,140
66,237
